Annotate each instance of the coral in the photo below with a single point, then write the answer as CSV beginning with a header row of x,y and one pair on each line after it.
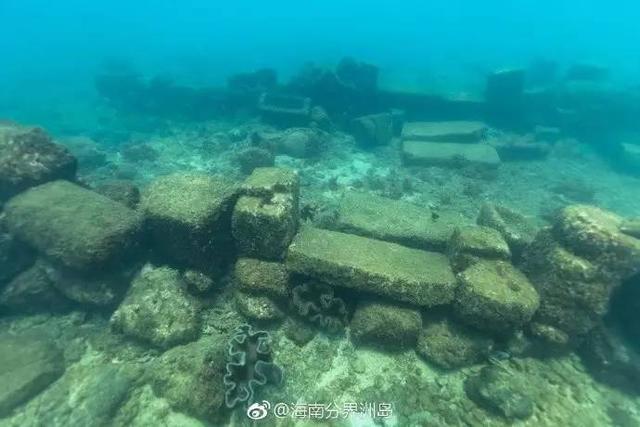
x,y
249,365
317,303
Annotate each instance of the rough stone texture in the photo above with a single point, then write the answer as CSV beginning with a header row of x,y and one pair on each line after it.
x,y
516,229
28,157
190,377
32,292
373,130
470,244
421,153
449,345
457,131
386,325
198,282
301,142
266,182
495,296
395,221
189,218
265,229
257,307
122,191
158,310
368,265
73,226
27,366
262,277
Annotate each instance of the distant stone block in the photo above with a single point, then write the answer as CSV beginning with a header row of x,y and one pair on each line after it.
x,y
284,110
421,153
372,266
395,221
373,130
78,228
189,217
386,324
455,131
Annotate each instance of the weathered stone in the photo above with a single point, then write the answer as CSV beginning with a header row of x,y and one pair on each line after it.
x,y
385,324
373,130
189,218
77,228
122,191
252,158
262,277
368,265
457,131
395,221
422,153
265,229
31,292
266,182
449,345
158,310
27,366
257,307
471,244
198,282
190,377
495,296
28,157
301,142
516,229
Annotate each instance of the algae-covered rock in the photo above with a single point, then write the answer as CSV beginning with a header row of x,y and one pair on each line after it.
x,y
189,218
122,191
515,228
385,324
501,391
264,229
470,244
266,182
27,366
262,277
190,377
449,345
395,221
372,266
495,296
75,227
28,157
157,309
257,307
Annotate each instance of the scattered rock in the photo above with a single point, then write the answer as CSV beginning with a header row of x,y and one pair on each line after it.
x,y
157,309
385,324
198,282
516,229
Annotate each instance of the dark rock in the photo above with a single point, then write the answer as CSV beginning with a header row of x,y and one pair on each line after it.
x,y
15,257
373,130
254,157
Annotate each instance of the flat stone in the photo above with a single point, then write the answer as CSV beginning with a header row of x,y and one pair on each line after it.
x,y
27,366
266,182
420,153
495,296
189,216
76,227
262,277
454,131
395,221
373,266
516,229
385,324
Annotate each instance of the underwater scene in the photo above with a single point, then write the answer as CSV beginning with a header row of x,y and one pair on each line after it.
x,y
346,214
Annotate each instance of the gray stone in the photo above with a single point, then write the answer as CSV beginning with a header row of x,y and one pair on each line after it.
x,y
470,244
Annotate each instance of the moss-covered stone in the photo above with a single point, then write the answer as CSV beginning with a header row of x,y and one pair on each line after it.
x,y
395,221
158,310
262,277
421,153
385,324
471,244
515,228
265,229
189,218
28,157
257,307
495,296
76,227
372,266
190,377
453,131
266,182
450,345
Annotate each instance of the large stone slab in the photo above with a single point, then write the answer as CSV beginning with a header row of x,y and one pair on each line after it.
x,y
76,227
372,266
455,131
421,153
396,221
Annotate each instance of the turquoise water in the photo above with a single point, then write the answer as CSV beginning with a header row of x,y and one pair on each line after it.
x,y
319,213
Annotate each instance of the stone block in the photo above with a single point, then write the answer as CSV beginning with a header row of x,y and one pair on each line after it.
x,y
262,277
469,244
421,153
386,325
455,131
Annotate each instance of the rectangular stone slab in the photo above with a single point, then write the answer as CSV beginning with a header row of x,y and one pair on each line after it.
x,y
456,131
74,226
396,221
372,266
421,153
